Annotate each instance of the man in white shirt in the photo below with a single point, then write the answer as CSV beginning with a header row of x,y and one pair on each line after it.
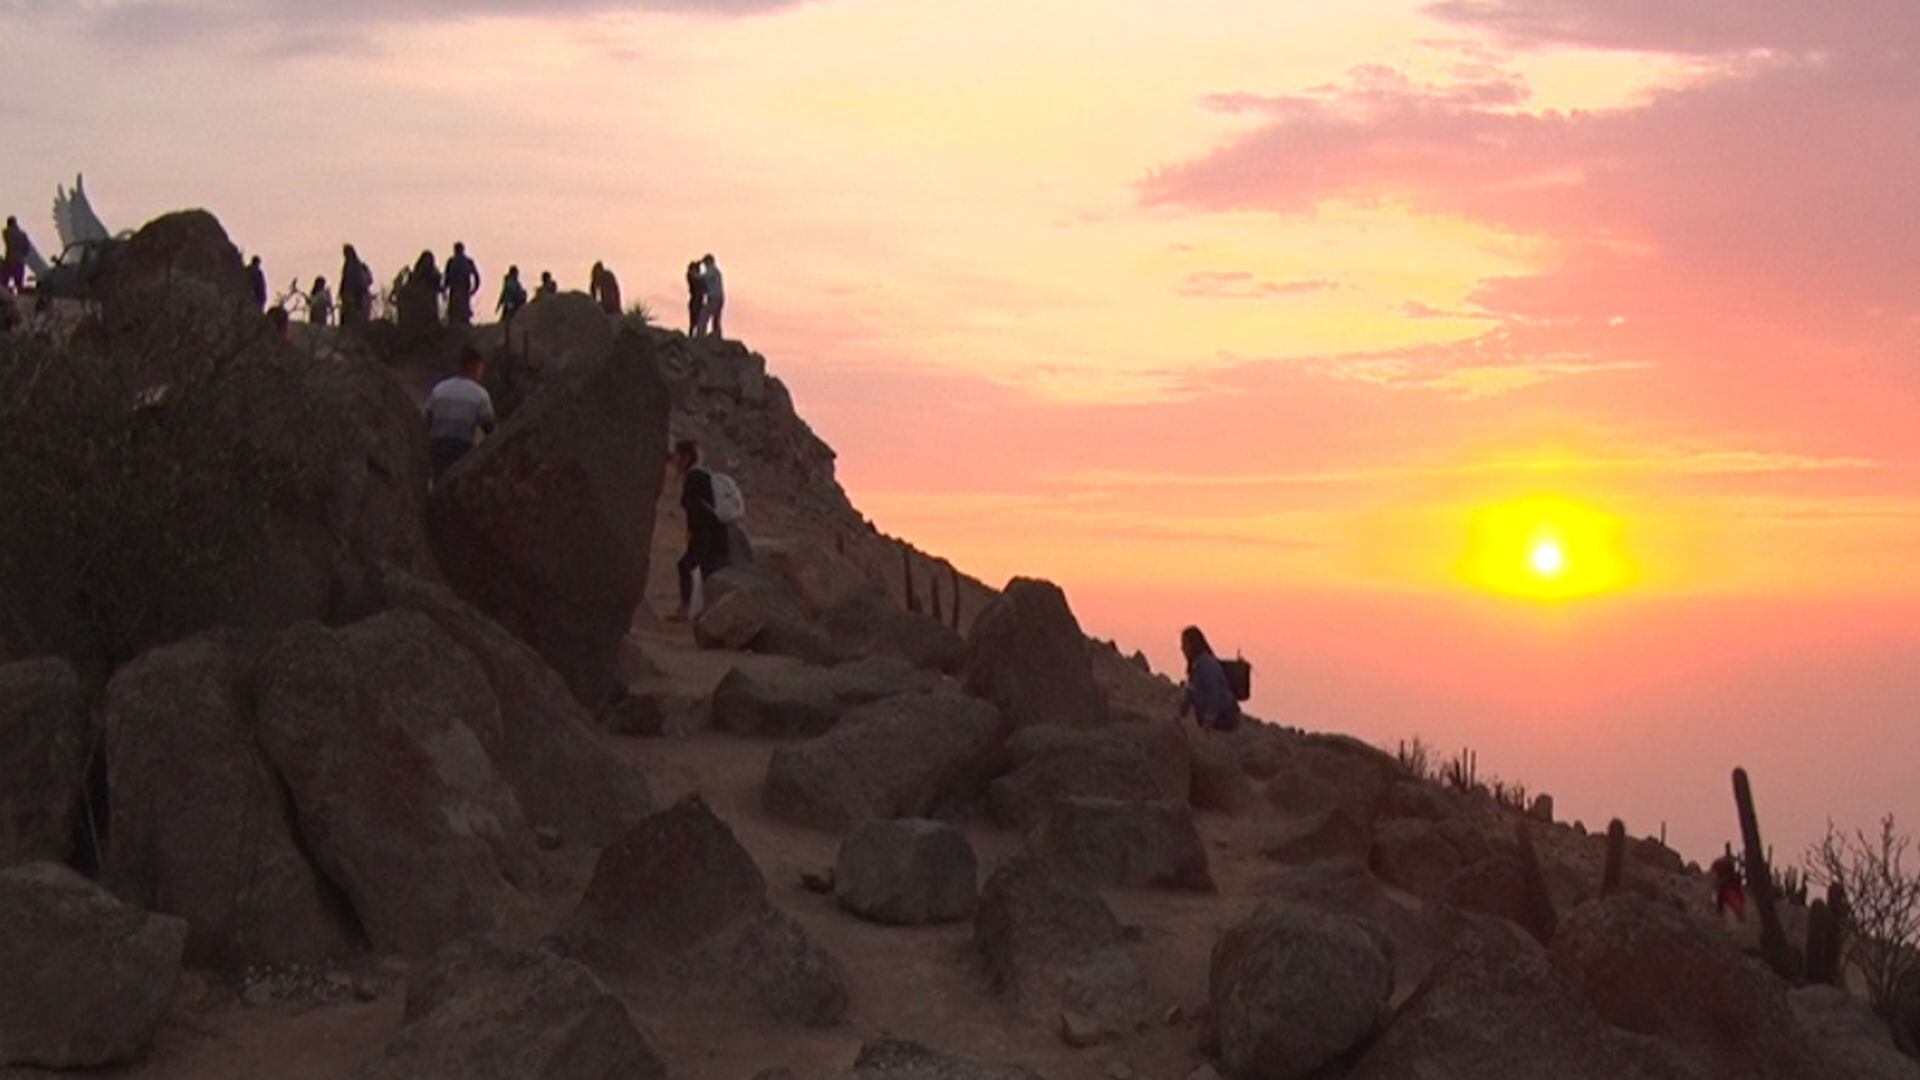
x,y
458,409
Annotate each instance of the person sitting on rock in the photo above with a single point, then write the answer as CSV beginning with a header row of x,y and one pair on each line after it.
x,y
548,286
319,303
356,288
462,281
257,283
513,295
696,297
706,534
14,246
714,293
458,410
1209,696
604,287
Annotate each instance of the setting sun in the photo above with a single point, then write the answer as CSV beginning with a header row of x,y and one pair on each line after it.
x,y
1546,549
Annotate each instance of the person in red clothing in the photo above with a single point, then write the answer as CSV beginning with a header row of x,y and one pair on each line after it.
x,y
1728,892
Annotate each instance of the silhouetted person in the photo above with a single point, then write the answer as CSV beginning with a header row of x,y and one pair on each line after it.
x,y
696,297
513,295
714,297
706,533
356,288
462,281
282,325
458,410
257,283
420,298
14,246
548,286
1209,696
319,303
604,287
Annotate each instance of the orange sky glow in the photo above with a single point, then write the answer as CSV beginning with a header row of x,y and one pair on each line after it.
x,y
1306,322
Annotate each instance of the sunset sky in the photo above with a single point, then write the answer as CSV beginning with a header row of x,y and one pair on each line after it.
x,y
1302,321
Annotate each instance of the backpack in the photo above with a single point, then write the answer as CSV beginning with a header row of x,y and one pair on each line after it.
x,y
1239,677
729,506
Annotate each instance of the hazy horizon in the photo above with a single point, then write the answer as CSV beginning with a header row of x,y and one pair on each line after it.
x,y
1304,323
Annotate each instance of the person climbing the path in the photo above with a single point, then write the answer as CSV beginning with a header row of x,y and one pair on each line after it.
x,y
14,246
548,286
1210,697
707,538
458,410
1729,894
461,282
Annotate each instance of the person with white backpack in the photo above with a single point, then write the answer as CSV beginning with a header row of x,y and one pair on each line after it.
x,y
714,509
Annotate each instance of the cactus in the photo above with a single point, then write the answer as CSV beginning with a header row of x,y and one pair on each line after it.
x,y
906,579
1541,919
1823,944
1774,948
1616,857
933,598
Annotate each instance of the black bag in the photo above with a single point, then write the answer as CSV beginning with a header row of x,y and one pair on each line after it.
x,y
1239,677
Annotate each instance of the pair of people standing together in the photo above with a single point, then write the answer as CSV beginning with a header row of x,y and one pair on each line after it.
x,y
706,296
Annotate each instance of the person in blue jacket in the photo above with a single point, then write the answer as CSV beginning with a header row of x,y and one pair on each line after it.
x,y
1209,697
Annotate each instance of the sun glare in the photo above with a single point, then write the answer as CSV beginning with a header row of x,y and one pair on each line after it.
x,y
1546,549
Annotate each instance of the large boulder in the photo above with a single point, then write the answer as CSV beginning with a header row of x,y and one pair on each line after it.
x,y
547,527
484,1010
907,873
1026,654
1050,944
819,578
677,910
1656,971
867,622
87,978
1219,782
805,701
895,1059
546,747
1053,766
1493,1007
180,271
1293,989
1127,842
1332,771
1853,1042
201,825
1415,855
1162,742
918,755
1330,834
743,597
376,730
547,337
45,742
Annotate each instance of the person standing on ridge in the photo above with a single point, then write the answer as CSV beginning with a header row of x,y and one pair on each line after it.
x,y
356,288
548,286
714,292
319,303
458,410
604,287
257,283
513,296
706,533
1209,696
696,297
13,257
462,281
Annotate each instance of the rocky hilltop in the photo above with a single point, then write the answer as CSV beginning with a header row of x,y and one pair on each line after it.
x,y
311,771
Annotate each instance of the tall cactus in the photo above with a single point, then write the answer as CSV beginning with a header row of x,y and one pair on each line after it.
x,y
1542,922
1823,963
1616,857
933,598
906,579
1774,948
953,578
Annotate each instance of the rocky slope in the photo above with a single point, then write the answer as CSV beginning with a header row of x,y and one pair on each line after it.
x,y
461,805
